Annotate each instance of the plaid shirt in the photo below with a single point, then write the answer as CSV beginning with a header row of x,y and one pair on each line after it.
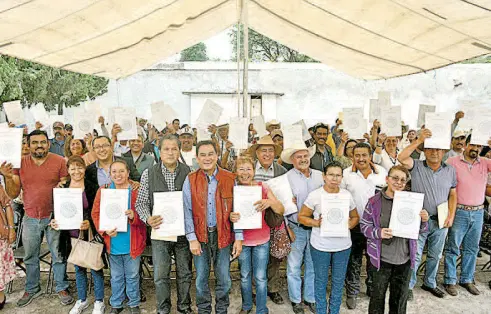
x,y
143,200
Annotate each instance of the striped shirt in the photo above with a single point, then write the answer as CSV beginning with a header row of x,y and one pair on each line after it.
x,y
436,185
263,174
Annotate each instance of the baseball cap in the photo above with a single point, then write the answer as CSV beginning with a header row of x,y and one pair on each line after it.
x,y
68,127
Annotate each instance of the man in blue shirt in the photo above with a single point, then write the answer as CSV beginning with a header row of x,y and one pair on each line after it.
x,y
58,142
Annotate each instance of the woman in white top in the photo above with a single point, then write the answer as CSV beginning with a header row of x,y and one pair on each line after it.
x,y
386,151
329,251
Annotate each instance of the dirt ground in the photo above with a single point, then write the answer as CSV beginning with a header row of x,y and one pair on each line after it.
x,y
423,301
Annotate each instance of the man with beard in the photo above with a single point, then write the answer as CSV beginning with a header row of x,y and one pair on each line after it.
x,y
472,181
57,143
40,172
362,180
303,180
141,160
323,154
187,152
266,168
458,144
437,181
166,176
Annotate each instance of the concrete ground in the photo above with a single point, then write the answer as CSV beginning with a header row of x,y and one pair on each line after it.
x,y
423,301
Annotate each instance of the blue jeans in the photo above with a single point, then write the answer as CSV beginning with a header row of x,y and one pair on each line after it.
x,y
32,236
466,231
125,275
338,262
221,265
300,254
254,260
81,279
436,241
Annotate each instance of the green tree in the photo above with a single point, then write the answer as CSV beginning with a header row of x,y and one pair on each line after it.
x,y
194,53
34,83
480,59
262,48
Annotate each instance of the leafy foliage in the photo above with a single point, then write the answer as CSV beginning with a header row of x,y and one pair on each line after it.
x,y
194,53
480,59
262,48
34,83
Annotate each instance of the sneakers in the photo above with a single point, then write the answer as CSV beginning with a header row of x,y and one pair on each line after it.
x,y
435,291
116,310
451,289
79,307
471,288
28,297
351,302
99,307
310,306
135,310
297,308
65,297
276,297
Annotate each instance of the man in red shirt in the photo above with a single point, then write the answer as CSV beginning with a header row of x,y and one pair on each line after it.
x,y
40,172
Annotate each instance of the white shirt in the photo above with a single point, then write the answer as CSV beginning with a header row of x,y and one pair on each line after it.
x,y
119,149
362,189
189,158
326,244
383,159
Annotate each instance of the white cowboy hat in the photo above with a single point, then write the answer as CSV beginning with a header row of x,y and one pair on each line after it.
x,y
287,154
265,140
272,122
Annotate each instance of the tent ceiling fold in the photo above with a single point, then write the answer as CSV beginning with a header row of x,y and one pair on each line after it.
x,y
369,39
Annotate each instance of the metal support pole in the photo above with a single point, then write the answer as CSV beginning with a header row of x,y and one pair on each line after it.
x,y
239,18
245,94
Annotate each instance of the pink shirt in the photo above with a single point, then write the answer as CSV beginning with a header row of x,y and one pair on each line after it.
x,y
471,179
255,237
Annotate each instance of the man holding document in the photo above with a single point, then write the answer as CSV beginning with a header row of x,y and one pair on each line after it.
x,y
438,182
166,176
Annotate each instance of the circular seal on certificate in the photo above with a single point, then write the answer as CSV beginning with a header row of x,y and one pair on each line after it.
x,y
68,209
84,126
114,211
335,216
126,124
352,123
438,130
391,122
248,212
169,217
406,216
6,149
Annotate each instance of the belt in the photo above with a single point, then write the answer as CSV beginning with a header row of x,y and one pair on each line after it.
x,y
470,208
299,225
434,217
212,229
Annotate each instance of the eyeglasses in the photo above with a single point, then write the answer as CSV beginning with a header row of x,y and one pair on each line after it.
x,y
397,179
103,146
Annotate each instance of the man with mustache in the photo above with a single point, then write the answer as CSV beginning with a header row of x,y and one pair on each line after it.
x,y
141,160
362,180
437,181
303,180
188,154
458,145
57,143
40,172
472,181
323,154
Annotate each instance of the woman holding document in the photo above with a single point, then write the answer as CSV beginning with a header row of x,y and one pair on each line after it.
x,y
330,246
76,169
255,249
124,248
393,257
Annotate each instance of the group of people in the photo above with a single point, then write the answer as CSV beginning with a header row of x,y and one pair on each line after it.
x,y
366,171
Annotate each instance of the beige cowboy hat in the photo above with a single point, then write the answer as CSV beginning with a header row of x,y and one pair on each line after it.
x,y
276,133
265,140
272,122
287,154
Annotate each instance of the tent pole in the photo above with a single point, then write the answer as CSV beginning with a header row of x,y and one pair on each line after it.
x,y
239,18
245,20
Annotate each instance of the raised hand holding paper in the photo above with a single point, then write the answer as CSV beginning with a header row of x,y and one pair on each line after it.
x,y
238,132
391,121
210,114
423,109
14,112
11,146
126,118
162,114
68,208
244,199
439,123
84,124
353,122
259,125
292,135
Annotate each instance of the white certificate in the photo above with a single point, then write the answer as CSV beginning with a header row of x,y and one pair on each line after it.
x,y
280,186
292,135
84,123
481,128
374,112
239,132
169,205
126,118
39,114
210,114
14,112
202,133
439,123
11,146
390,118
442,211
305,132
335,215
162,114
384,99
114,202
244,199
68,208
423,109
472,109
405,221
259,125
353,122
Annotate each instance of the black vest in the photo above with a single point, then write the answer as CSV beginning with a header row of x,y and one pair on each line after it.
x,y
156,180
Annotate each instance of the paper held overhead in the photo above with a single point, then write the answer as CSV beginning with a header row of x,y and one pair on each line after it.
x,y
423,109
353,122
11,146
84,123
162,114
292,135
390,120
481,129
210,113
259,125
238,132
14,112
439,123
126,118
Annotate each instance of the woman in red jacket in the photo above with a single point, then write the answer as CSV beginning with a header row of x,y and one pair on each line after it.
x,y
124,248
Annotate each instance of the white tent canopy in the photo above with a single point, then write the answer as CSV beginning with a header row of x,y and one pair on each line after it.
x,y
370,39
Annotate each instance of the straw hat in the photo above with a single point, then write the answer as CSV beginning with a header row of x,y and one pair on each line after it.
x,y
265,140
272,122
276,132
287,154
